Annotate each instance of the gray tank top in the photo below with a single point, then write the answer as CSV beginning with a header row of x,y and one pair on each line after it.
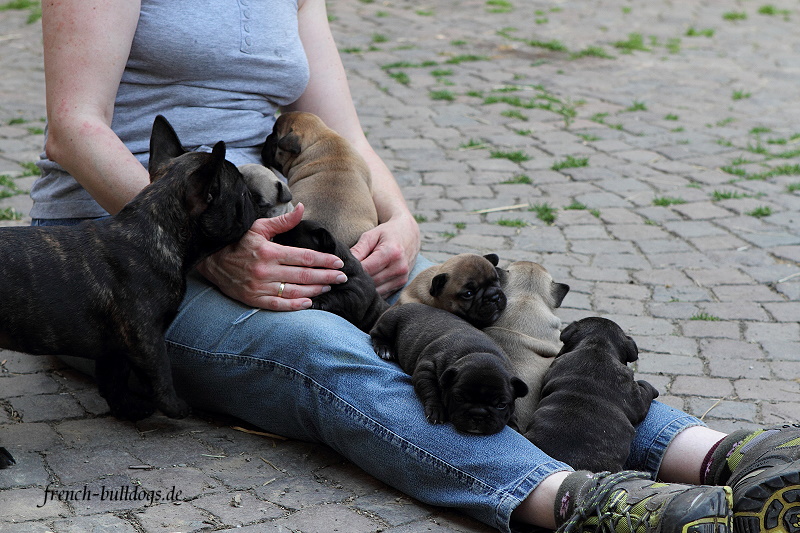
x,y
217,70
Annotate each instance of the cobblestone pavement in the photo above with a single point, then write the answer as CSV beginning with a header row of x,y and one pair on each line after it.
x,y
646,153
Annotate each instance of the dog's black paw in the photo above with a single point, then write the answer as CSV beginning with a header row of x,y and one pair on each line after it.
x,y
5,459
131,408
435,414
384,351
175,409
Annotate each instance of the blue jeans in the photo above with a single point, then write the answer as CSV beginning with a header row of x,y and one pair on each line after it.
x,y
310,375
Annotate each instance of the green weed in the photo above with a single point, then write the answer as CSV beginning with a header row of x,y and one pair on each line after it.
x,y
637,106
571,162
665,201
761,211
517,156
456,60
544,212
704,316
553,46
9,213
499,6
400,77
513,113
520,179
727,195
694,32
634,42
511,223
735,15
592,51
442,94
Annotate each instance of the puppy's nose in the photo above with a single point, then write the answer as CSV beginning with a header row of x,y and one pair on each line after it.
x,y
494,297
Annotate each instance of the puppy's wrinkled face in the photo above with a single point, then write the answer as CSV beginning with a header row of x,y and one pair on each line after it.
x,y
292,133
470,288
270,194
479,394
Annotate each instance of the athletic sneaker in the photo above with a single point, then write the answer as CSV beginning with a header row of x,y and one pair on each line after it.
x,y
763,468
629,502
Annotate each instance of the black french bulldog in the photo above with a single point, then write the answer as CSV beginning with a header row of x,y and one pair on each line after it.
x,y
459,373
355,300
590,402
108,289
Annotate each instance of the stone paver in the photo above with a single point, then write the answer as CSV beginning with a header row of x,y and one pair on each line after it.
x,y
670,170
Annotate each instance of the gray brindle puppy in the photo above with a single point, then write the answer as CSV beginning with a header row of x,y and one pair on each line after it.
x,y
108,289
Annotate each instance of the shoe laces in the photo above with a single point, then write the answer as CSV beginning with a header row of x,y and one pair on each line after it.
x,y
609,518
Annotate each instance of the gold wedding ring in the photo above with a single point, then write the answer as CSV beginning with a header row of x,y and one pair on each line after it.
x,y
280,289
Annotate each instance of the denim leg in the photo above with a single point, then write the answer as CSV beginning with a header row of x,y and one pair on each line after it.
x,y
654,434
311,375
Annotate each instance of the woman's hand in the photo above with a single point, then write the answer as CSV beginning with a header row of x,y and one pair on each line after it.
x,y
260,273
388,253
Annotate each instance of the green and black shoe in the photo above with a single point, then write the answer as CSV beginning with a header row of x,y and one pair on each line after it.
x,y
629,502
763,468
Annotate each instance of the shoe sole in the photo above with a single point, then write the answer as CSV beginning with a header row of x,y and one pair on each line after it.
x,y
772,505
720,506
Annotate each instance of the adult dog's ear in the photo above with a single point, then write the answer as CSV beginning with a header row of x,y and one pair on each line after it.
x,y
437,284
164,146
290,143
492,258
204,183
559,291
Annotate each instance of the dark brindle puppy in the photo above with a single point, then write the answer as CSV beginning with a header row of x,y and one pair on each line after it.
x,y
458,372
108,289
590,402
355,300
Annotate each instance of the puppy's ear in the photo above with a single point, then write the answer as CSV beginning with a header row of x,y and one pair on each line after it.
x,y
204,183
631,350
325,241
502,275
284,195
447,378
559,291
519,386
437,284
164,146
566,337
290,143
492,258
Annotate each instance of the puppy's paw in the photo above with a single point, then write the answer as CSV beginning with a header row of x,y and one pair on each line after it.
x,y
384,351
131,408
176,408
5,459
435,414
